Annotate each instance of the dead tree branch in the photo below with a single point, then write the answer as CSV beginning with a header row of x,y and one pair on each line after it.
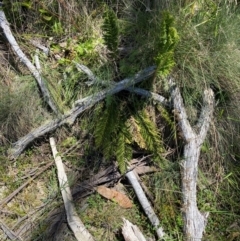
x,y
194,220
23,58
75,223
145,203
82,105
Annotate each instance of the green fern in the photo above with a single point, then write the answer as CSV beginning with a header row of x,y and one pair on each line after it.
x,y
106,126
123,149
166,45
111,32
167,117
149,132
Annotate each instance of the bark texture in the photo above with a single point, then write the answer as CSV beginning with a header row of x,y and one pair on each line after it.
x,y
194,220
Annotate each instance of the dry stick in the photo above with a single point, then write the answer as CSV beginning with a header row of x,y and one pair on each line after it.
x,y
11,235
194,220
74,221
71,116
145,203
131,232
139,91
23,58
13,194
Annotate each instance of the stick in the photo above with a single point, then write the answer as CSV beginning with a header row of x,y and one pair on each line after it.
x,y
13,194
139,91
74,221
23,58
11,235
71,116
145,203
194,220
131,232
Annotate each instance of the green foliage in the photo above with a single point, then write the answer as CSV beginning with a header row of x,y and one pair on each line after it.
x,y
111,32
149,132
107,126
166,45
123,149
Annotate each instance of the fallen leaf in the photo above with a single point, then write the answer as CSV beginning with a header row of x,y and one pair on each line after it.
x,y
118,197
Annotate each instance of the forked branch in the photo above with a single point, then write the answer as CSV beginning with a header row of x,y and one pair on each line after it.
x,y
194,220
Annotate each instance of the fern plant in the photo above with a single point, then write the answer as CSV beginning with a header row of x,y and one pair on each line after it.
x,y
123,121
166,45
111,32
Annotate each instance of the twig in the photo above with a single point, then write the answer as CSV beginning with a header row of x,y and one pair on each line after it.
x,y
23,58
74,221
145,203
13,194
11,235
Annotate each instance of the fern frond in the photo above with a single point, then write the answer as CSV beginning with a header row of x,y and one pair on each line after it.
x,y
166,45
149,132
111,31
123,150
167,117
106,127
134,130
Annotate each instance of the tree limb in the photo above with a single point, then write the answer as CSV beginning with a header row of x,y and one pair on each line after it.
x,y
23,58
139,91
194,220
82,105
145,203
76,225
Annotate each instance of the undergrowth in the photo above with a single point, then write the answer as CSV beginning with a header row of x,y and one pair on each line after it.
x,y
198,47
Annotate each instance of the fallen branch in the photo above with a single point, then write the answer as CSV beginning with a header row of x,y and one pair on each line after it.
x,y
139,91
145,203
71,116
10,234
131,232
74,221
194,220
23,58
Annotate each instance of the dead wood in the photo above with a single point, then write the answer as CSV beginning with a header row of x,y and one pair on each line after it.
x,y
23,58
194,220
74,222
82,105
145,203
131,232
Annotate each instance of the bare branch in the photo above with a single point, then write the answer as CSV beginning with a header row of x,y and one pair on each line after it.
x,y
145,203
194,220
71,116
75,223
23,58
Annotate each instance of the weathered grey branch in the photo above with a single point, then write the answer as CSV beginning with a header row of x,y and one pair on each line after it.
x,y
139,91
131,232
74,222
145,203
71,116
23,58
194,220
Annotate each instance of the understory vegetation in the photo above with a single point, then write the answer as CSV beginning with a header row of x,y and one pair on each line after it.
x,y
195,42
